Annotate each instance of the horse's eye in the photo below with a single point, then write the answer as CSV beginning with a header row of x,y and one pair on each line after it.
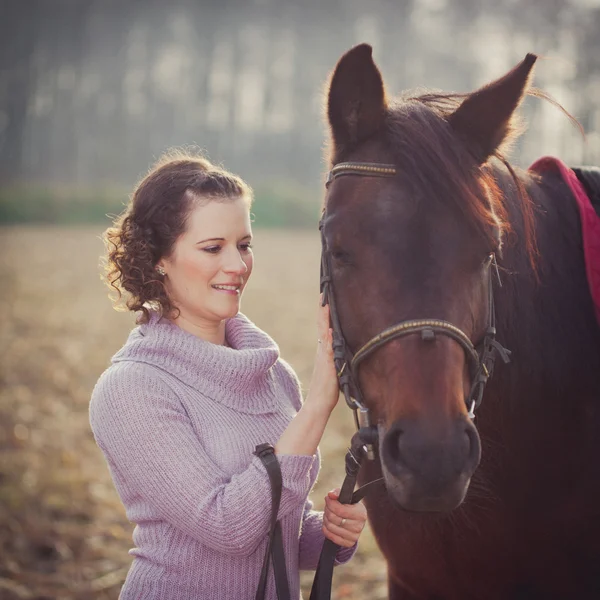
x,y
340,256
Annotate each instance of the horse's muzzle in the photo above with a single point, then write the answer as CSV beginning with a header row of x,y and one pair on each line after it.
x,y
427,467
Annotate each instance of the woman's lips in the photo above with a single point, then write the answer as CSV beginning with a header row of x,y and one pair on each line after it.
x,y
232,289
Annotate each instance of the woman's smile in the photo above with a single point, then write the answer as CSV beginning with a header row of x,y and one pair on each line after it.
x,y
234,289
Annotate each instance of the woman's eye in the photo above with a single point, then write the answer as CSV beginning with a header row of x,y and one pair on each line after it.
x,y
212,249
245,247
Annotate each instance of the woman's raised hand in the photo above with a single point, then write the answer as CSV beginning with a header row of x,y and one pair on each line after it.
x,y
324,389
303,434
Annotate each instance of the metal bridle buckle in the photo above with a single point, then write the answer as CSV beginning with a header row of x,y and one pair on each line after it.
x,y
471,413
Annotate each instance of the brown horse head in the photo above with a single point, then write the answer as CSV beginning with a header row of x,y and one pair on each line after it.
x,y
417,246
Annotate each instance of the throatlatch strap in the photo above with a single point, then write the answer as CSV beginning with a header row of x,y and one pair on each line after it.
x,y
274,551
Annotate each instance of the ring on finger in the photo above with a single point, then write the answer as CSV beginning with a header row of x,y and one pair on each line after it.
x,y
343,522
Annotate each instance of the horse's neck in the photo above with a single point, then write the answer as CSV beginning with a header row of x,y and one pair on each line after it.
x,y
549,324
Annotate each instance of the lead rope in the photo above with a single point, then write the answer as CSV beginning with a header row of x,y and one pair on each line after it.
x,y
321,588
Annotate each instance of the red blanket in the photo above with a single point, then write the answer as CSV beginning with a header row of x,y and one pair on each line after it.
x,y
590,222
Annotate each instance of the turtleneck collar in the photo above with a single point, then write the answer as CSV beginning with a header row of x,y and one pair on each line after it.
x,y
239,376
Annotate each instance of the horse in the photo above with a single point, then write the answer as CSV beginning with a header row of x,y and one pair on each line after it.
x,y
432,224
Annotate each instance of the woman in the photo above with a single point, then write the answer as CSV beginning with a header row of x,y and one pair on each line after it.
x,y
196,388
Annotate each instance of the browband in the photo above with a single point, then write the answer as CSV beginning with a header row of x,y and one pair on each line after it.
x,y
364,169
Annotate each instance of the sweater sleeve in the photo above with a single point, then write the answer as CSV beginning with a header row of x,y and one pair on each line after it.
x,y
312,538
156,459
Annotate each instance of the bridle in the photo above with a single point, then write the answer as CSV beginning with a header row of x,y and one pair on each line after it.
x,y
481,359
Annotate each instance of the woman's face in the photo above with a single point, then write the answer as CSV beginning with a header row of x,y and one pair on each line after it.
x,y
211,261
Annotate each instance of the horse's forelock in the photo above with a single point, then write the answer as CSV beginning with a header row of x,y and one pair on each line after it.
x,y
438,165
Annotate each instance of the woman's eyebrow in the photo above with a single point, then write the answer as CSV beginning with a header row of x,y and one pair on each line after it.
x,y
222,239
211,240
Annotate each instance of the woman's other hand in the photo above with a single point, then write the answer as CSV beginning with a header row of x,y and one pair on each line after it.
x,y
343,523
324,389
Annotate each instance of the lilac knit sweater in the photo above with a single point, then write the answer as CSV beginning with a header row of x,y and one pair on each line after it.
x,y
177,419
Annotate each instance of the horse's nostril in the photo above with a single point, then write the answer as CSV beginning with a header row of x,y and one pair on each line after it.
x,y
408,448
392,448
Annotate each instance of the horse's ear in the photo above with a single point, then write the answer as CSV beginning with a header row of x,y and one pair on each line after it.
x,y
356,101
485,118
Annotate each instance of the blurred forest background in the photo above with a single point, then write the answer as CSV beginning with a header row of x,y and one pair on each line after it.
x,y
91,93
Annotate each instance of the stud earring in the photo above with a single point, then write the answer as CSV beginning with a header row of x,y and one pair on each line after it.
x,y
160,270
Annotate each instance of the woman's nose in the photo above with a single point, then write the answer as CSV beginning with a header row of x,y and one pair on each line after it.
x,y
236,263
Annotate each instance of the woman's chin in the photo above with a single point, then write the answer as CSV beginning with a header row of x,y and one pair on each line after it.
x,y
228,312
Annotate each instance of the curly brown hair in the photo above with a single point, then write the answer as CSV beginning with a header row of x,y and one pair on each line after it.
x,y
152,222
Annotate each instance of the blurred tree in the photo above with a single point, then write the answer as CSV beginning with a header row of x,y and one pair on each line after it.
x,y
93,90
20,27
587,82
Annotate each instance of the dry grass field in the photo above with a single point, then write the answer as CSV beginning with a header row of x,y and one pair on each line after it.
x,y
63,531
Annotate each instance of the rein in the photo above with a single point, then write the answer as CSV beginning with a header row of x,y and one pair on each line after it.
x,y
481,361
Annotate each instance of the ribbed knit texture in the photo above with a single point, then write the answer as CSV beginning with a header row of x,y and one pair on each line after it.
x,y
178,419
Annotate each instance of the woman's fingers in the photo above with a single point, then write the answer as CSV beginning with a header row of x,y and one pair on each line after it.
x,y
355,512
343,523
336,539
324,386
346,535
338,535
324,332
323,321
350,529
